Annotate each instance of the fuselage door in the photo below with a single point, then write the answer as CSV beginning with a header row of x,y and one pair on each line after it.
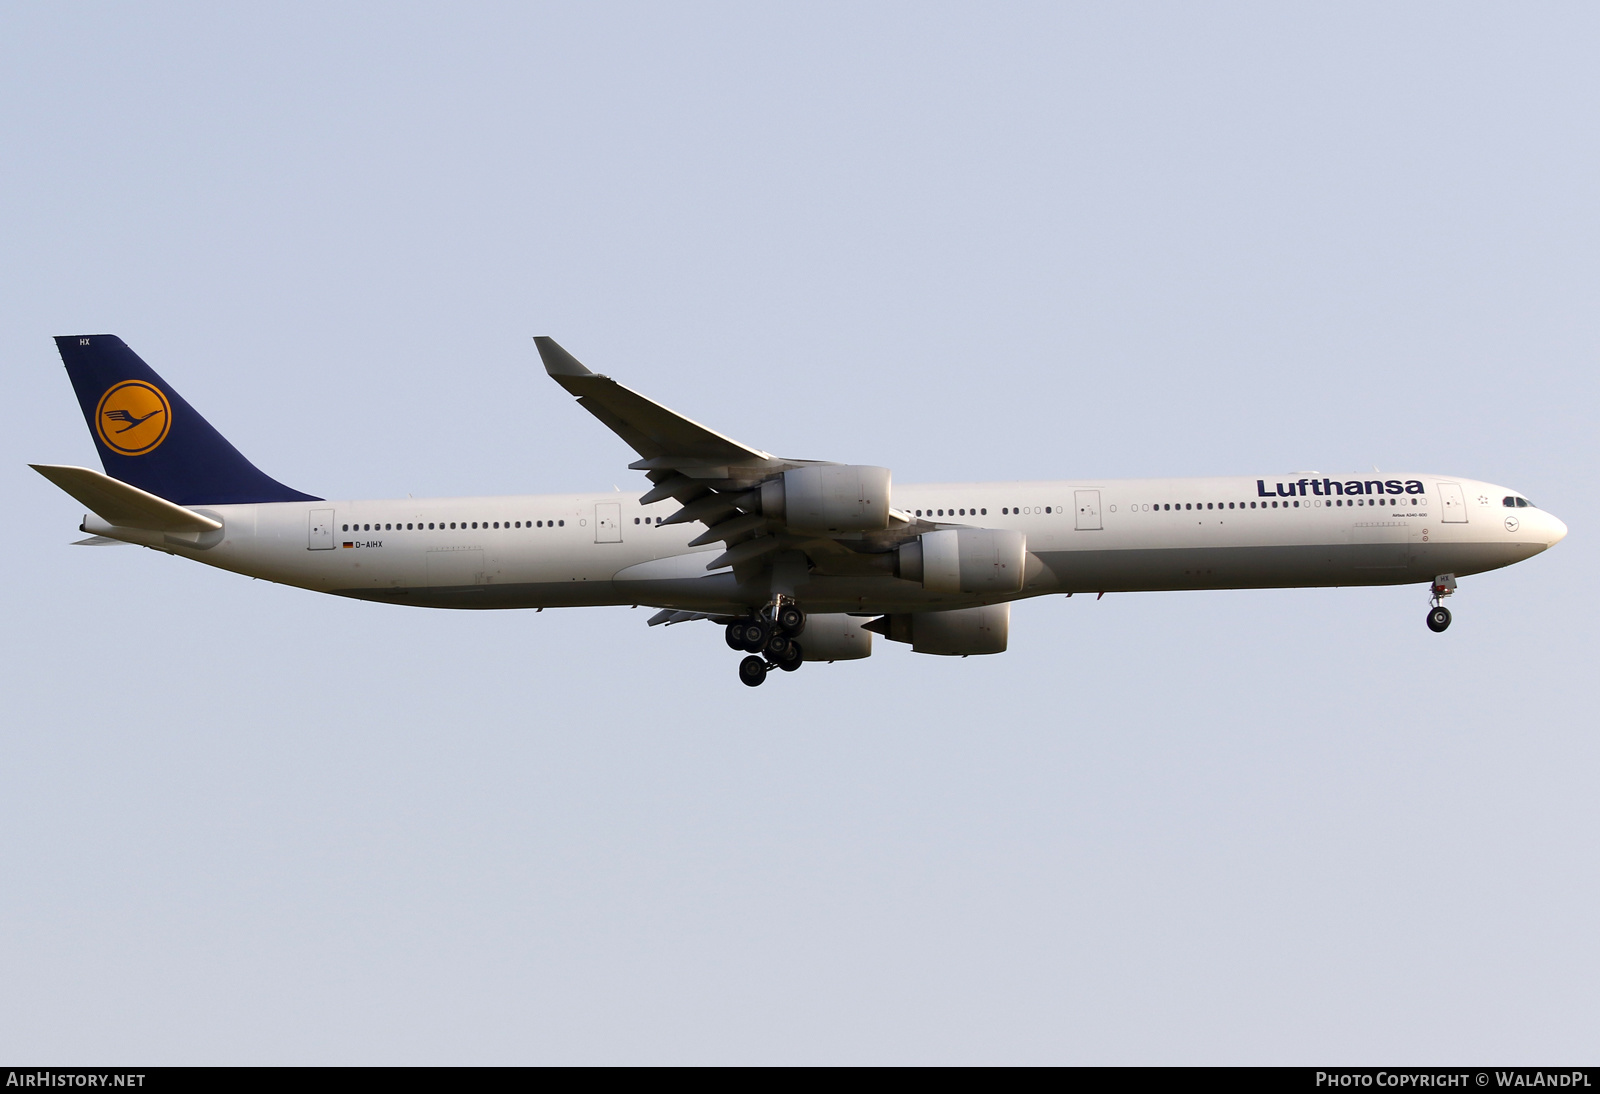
x,y
1088,510
319,532
1453,504
608,522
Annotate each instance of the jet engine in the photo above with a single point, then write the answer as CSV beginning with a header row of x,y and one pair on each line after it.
x,y
832,637
961,632
966,560
829,497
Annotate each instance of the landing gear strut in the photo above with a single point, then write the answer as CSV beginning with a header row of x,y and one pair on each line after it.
x,y
770,633
1438,614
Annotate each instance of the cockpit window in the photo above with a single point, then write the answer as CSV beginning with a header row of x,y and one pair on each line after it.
x,y
1513,502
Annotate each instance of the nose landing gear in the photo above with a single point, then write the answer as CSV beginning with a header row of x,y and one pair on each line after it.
x,y
770,633
1438,614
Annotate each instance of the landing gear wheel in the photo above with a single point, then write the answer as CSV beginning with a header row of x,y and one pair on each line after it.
x,y
793,661
792,620
752,672
1438,619
777,647
754,635
735,636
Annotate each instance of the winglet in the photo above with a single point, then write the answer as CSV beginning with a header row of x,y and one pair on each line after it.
x,y
557,361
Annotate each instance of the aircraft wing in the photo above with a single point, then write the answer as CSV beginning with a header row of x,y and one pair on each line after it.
x,y
664,439
716,478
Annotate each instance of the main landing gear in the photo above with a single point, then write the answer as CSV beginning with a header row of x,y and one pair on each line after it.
x,y
1438,614
771,634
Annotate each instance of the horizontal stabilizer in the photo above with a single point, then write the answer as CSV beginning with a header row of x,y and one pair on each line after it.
x,y
122,505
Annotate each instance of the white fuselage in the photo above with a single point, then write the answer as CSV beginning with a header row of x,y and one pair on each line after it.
x,y
559,550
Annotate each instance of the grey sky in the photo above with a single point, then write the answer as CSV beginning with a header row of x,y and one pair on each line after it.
x,y
243,823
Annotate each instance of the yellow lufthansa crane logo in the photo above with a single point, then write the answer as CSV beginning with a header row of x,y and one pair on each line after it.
x,y
133,418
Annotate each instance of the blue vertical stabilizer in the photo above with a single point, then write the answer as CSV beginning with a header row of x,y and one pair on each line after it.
x,y
150,438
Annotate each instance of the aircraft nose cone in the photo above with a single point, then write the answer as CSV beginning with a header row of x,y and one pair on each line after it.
x,y
1557,530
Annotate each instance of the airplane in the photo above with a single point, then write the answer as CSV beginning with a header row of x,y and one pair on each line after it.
x,y
797,560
